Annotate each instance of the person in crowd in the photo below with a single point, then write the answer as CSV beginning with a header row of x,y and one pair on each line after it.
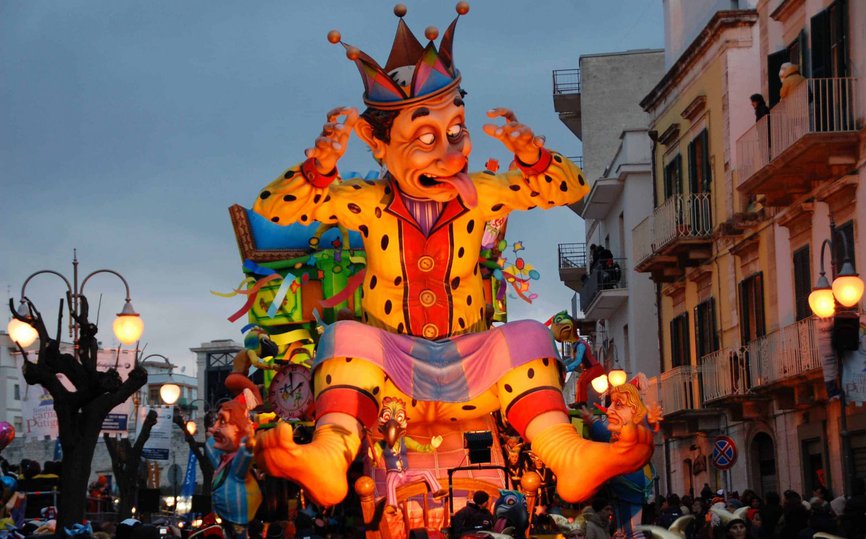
x,y
475,516
706,493
598,516
686,504
753,519
760,106
820,519
853,518
770,513
671,510
737,529
696,528
795,517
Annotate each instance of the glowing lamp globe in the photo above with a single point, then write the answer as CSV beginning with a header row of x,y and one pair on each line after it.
x,y
169,393
821,299
848,286
191,427
128,325
599,383
617,377
21,332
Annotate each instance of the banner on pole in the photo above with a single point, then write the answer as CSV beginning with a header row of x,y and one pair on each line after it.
x,y
158,445
854,369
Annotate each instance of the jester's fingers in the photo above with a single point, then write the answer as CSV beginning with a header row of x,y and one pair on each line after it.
x,y
331,144
515,136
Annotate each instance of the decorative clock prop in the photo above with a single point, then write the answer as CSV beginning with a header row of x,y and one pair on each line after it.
x,y
291,392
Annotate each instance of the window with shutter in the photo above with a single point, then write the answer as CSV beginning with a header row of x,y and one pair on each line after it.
x,y
752,308
802,282
680,349
846,230
706,335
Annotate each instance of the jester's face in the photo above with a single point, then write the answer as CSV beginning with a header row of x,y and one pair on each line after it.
x,y
429,150
625,407
562,327
226,433
392,420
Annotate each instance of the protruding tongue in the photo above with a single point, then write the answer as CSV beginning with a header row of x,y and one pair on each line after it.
x,y
465,188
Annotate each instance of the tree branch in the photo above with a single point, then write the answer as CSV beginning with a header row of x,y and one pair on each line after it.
x,y
105,402
148,424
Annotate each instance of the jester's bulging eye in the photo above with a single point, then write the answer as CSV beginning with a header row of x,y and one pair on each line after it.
x,y
456,132
427,138
385,415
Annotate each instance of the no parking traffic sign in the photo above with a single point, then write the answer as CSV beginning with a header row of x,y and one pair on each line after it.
x,y
724,452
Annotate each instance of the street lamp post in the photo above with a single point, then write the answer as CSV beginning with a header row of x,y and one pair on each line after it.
x,y
846,291
128,325
82,408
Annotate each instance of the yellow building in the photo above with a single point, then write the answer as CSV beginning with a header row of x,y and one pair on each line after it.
x,y
742,207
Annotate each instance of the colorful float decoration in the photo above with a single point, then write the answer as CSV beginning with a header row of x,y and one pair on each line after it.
x,y
398,276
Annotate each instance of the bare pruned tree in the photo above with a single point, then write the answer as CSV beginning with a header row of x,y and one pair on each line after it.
x,y
81,410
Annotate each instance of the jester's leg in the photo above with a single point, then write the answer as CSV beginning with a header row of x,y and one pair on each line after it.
x,y
347,394
531,400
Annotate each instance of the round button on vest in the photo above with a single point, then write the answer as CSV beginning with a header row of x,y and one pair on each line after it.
x,y
430,331
426,263
427,297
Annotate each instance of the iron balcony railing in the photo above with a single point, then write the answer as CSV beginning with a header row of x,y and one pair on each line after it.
x,y
786,353
816,106
725,373
572,255
680,389
566,81
679,217
577,160
608,274
791,351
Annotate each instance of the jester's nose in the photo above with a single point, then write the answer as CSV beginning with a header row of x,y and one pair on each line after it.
x,y
391,431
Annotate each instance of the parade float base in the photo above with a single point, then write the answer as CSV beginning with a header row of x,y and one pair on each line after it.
x,y
451,454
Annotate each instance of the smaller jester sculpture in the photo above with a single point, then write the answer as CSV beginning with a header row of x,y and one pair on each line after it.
x,y
395,445
632,490
236,495
564,329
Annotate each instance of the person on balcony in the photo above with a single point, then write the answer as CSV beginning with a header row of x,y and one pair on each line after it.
x,y
760,106
791,78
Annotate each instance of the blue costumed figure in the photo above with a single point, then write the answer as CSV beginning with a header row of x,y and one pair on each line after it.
x,y
235,494
634,489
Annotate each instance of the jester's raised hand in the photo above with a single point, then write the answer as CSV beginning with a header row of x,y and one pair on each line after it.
x,y
331,144
518,138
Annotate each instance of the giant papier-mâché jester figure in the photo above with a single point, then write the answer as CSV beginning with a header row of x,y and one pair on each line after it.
x,y
424,337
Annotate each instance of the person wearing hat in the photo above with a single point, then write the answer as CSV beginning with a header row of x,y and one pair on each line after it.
x,y
475,516
424,335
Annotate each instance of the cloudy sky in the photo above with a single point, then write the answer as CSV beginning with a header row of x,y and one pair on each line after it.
x,y
128,128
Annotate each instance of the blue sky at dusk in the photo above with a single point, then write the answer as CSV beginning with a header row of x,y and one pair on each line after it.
x,y
128,128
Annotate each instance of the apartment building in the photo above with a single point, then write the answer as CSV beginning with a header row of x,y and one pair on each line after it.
x,y
742,208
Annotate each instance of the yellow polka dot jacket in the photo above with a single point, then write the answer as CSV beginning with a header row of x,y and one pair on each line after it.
x,y
425,285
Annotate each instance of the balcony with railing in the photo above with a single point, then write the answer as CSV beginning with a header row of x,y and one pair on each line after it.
x,y
572,265
566,98
678,234
605,289
577,160
680,390
724,375
785,356
809,136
